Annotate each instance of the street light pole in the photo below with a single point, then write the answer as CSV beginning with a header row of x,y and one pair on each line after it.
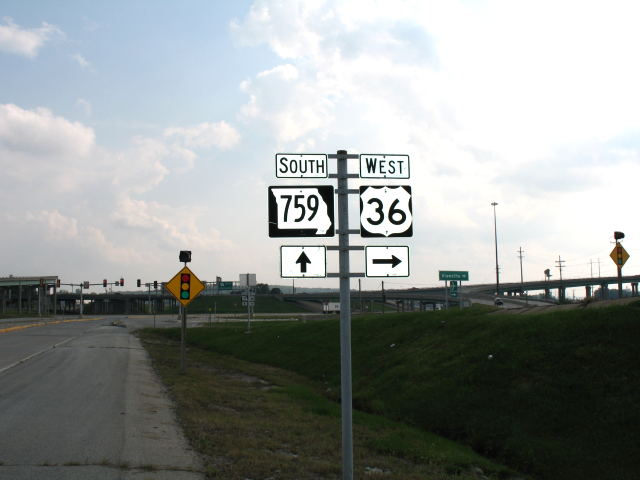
x,y
495,237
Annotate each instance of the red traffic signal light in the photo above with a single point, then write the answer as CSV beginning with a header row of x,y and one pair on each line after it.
x,y
185,286
139,282
122,282
104,283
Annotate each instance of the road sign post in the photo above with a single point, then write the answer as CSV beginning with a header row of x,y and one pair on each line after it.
x,y
309,212
184,286
619,256
454,278
345,316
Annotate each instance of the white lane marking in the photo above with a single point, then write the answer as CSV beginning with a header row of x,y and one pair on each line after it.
x,y
26,359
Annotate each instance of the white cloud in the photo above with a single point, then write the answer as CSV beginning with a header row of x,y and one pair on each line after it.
x,y
493,101
83,62
85,106
205,135
56,225
40,132
26,42
173,226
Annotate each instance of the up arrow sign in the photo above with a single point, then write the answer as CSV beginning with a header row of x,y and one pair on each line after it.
x,y
393,261
298,261
303,260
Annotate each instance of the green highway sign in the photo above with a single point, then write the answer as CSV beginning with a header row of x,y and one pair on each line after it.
x,y
225,285
453,275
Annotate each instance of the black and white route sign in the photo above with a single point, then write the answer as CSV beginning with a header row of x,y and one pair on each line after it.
x,y
301,211
384,166
303,261
386,211
387,261
302,165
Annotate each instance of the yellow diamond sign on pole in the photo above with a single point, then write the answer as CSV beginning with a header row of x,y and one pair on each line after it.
x,y
619,255
185,286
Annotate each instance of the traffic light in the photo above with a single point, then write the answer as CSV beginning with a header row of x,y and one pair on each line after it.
x,y
155,284
122,282
104,283
58,283
619,258
618,236
185,286
185,256
139,282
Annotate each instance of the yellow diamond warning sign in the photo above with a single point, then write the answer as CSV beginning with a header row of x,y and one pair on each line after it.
x,y
619,255
185,286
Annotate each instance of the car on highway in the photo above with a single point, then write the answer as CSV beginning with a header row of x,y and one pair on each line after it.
x,y
498,302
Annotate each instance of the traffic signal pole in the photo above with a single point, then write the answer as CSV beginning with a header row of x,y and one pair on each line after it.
x,y
183,337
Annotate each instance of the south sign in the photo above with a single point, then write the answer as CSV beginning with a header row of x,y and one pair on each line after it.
x,y
301,165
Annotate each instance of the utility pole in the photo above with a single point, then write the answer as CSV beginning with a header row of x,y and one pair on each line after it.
x,y
520,252
495,237
561,291
383,299
591,267
559,263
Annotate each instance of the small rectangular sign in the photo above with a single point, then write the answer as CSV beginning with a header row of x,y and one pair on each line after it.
x,y
303,261
384,166
225,285
247,280
248,304
387,261
301,165
453,275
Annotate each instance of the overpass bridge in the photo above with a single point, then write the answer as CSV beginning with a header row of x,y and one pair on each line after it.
x,y
39,295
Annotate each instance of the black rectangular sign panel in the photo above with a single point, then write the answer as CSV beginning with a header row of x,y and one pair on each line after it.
x,y
301,211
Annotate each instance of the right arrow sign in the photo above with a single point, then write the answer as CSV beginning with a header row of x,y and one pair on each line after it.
x,y
387,261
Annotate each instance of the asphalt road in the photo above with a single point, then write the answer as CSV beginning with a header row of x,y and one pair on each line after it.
x,y
79,400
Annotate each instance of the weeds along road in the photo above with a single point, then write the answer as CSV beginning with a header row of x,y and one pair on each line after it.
x,y
79,400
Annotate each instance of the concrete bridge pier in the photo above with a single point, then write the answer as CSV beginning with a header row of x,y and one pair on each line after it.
x,y
604,288
634,289
561,294
587,292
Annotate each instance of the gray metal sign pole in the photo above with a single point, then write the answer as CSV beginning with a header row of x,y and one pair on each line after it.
x,y
183,338
345,316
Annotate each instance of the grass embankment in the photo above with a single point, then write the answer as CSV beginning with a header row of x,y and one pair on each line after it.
x,y
252,420
557,395
233,304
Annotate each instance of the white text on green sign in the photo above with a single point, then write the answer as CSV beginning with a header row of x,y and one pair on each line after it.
x,y
453,275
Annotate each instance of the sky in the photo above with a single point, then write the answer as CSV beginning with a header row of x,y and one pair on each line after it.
x,y
132,130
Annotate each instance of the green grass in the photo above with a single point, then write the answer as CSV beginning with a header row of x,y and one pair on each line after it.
x,y
556,395
233,304
251,420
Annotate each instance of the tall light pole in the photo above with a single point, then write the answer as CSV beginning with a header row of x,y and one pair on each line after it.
x,y
495,237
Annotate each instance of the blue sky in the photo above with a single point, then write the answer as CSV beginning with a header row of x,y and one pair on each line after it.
x,y
132,130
